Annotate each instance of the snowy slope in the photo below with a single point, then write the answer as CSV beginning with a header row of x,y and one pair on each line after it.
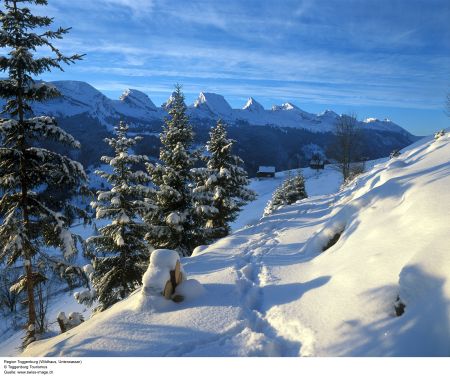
x,y
270,290
317,182
383,125
12,340
136,104
77,98
211,105
253,106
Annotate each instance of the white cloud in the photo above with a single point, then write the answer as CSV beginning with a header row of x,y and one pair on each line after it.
x,y
319,76
355,52
137,6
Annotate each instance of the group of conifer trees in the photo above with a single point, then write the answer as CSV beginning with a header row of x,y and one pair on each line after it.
x,y
170,204
291,190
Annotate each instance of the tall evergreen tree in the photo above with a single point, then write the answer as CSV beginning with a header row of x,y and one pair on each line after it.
x,y
170,223
31,216
221,188
120,252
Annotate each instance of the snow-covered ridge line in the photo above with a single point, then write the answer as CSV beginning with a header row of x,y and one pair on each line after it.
x,y
82,98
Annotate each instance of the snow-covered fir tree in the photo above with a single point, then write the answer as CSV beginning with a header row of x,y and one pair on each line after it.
x,y
171,223
120,252
296,189
32,216
291,190
221,187
277,199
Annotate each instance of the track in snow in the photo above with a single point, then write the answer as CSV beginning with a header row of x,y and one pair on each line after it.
x,y
252,274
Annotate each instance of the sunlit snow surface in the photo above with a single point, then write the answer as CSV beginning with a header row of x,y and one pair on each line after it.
x,y
270,290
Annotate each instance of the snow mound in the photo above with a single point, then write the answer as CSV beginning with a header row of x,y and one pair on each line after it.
x,y
190,289
414,286
164,258
158,271
198,250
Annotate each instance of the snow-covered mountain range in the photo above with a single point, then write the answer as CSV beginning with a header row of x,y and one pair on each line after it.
x,y
284,136
81,98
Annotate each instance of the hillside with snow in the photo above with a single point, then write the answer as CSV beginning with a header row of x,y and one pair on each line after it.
x,y
323,277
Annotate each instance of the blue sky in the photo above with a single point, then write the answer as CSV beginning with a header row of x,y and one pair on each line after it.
x,y
377,58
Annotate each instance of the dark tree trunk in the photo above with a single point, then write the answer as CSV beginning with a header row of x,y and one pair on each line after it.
x,y
31,330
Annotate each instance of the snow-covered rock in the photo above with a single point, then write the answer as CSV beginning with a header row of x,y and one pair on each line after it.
x,y
158,271
136,104
212,103
74,319
164,258
285,107
169,101
253,106
137,99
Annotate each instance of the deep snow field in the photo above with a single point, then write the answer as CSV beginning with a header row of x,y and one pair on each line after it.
x,y
270,290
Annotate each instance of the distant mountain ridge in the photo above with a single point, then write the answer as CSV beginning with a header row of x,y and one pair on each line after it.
x,y
80,98
284,136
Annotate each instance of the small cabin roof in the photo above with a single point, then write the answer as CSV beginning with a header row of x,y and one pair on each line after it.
x,y
268,169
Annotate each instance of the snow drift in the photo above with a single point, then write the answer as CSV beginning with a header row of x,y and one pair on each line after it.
x,y
279,287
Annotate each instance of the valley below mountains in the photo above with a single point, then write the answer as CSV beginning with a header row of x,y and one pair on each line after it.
x,y
285,135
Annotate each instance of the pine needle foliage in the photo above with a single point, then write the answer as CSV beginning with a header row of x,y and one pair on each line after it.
x,y
120,253
291,190
221,187
32,218
171,223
